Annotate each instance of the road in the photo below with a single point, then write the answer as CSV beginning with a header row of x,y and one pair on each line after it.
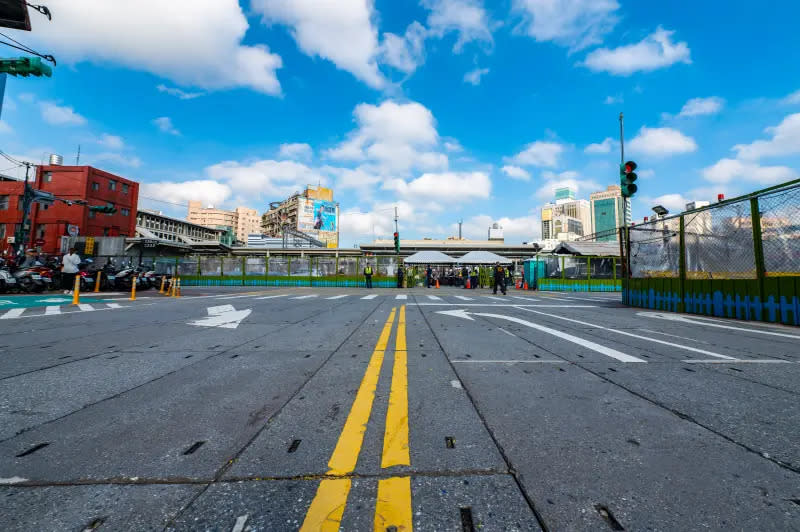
x,y
323,408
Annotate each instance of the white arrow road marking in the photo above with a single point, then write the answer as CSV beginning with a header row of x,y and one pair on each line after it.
x,y
224,316
613,353
12,480
707,323
238,526
647,338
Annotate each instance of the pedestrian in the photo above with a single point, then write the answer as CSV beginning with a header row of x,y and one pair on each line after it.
x,y
400,271
465,276
499,278
428,275
368,275
474,279
435,276
69,268
508,280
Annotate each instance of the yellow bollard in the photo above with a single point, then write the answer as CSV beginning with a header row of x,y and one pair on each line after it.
x,y
133,288
173,286
97,281
76,291
179,287
163,281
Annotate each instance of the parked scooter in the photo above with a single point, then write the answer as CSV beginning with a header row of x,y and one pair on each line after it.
x,y
7,281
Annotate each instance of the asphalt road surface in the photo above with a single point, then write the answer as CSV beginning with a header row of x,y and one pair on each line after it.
x,y
324,409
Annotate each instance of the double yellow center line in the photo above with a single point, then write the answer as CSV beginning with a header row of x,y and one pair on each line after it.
x,y
393,506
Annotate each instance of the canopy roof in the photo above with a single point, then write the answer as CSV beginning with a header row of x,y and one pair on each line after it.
x,y
429,257
597,249
483,257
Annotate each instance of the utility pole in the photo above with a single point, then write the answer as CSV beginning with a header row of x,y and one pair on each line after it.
x,y
626,202
78,157
27,200
461,221
395,219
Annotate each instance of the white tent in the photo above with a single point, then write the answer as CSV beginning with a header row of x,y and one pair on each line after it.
x,y
429,257
483,257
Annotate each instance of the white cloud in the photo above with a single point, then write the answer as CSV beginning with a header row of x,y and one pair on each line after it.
x,y
702,106
793,98
467,18
111,141
728,170
191,42
474,77
393,137
407,52
178,93
526,228
208,191
5,128
353,178
265,178
647,173
675,203
515,172
58,115
26,97
452,145
117,158
378,221
653,52
342,32
539,153
661,142
164,123
567,179
297,151
448,187
611,100
602,147
785,141
576,24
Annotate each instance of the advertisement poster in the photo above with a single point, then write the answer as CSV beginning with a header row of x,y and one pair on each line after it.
x,y
319,218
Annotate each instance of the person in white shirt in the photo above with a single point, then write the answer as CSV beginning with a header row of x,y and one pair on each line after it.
x,y
69,268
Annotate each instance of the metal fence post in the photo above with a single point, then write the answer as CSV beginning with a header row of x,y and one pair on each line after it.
x,y
266,270
336,270
289,269
681,263
588,274
758,250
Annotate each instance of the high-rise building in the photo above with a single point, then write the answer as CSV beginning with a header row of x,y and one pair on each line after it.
x,y
313,212
607,212
496,232
239,223
567,218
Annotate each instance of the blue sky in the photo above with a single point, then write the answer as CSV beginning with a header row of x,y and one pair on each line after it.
x,y
448,109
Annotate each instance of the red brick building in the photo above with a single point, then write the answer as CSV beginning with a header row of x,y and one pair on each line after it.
x,y
71,183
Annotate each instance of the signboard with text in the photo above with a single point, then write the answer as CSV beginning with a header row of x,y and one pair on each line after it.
x,y
319,218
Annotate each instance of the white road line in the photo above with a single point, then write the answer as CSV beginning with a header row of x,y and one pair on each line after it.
x,y
507,332
371,296
85,307
52,310
401,296
13,313
738,361
671,344
436,298
240,522
237,297
272,297
537,305
497,298
337,297
708,323
525,298
304,297
113,305
463,298
613,353
674,336
510,362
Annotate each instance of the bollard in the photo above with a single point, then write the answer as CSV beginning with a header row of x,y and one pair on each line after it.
x,y
97,281
133,288
173,287
161,290
76,290
179,287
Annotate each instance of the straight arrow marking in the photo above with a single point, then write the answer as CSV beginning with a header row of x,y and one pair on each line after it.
x,y
224,316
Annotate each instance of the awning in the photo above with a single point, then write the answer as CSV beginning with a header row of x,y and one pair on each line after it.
x,y
483,257
429,257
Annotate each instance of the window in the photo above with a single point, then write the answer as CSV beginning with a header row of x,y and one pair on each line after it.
x,y
95,185
125,212
2,231
4,203
112,185
125,188
109,204
47,177
105,231
40,229
91,214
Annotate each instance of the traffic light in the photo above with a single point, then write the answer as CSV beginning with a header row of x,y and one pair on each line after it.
x,y
106,209
397,242
25,66
627,176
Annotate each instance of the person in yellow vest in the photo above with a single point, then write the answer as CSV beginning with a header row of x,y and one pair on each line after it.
x,y
368,275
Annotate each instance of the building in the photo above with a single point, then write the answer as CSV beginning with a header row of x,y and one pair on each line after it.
x,y
607,213
313,212
155,225
239,223
453,246
567,218
496,232
247,222
86,184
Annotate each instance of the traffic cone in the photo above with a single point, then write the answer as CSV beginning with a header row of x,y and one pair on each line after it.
x,y
468,283
525,286
437,283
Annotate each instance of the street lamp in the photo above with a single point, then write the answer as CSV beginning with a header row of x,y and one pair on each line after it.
x,y
660,210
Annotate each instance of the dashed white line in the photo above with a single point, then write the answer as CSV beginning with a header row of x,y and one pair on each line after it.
x,y
85,307
401,296
463,298
371,296
272,297
240,522
337,297
13,313
435,298
304,297
52,310
510,361
113,305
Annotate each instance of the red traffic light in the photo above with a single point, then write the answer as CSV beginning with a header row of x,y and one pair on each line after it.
x,y
630,166
396,235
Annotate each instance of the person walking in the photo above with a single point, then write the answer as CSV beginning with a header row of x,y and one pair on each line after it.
x,y
428,275
474,279
499,278
435,276
465,276
400,271
508,280
69,268
368,275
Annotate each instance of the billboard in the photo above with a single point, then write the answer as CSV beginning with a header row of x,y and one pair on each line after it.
x,y
319,218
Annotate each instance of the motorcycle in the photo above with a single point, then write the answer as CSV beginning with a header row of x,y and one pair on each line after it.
x,y
30,279
7,281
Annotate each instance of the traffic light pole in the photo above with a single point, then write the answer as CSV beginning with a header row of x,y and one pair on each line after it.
x,y
27,201
626,202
